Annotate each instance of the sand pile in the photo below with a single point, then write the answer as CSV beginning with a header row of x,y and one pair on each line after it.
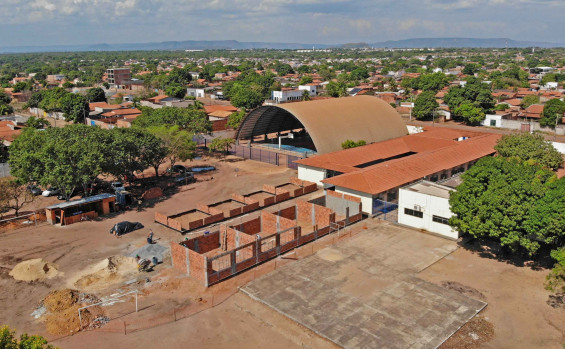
x,y
108,271
151,250
34,269
63,306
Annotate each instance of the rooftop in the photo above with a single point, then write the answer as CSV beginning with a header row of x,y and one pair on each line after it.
x,y
430,188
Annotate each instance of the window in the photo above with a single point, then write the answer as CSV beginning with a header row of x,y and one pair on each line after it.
x,y
493,122
392,196
414,213
441,220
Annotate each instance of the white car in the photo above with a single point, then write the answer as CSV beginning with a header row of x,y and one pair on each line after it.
x,y
50,192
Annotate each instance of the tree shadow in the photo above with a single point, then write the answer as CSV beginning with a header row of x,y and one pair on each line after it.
x,y
485,248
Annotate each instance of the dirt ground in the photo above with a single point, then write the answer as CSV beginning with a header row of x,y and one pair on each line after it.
x,y
515,295
75,247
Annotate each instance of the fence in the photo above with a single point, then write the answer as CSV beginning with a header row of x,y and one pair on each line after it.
x,y
4,170
263,155
256,154
385,210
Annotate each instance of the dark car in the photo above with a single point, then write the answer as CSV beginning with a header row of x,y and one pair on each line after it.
x,y
178,169
34,189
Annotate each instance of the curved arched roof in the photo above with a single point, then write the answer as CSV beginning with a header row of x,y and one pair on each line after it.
x,y
329,122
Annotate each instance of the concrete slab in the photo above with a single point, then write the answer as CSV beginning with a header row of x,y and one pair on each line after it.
x,y
363,292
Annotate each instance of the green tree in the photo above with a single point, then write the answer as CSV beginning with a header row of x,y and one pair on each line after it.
x,y
175,90
306,79
8,340
552,112
469,113
23,86
37,123
6,109
177,142
425,105
532,148
95,94
74,107
190,119
246,98
529,100
306,95
236,118
336,89
495,200
352,144
221,144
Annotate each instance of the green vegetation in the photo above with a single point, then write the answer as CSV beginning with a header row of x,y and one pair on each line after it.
x,y
552,113
73,106
529,100
236,118
531,148
516,201
425,105
352,144
5,107
8,340
95,94
191,119
221,144
475,93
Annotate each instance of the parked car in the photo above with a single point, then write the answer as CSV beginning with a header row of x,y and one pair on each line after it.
x,y
50,192
35,190
177,169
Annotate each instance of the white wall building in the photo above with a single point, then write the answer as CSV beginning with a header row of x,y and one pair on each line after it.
x,y
425,205
286,96
195,92
311,88
492,120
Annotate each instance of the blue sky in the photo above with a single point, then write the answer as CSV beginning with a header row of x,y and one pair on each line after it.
x,y
48,22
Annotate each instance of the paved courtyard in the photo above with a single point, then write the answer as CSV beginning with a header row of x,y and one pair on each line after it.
x,y
363,292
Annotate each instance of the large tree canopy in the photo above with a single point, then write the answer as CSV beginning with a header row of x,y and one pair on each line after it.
x,y
532,148
496,198
190,119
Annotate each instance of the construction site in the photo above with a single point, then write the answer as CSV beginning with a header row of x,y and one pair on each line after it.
x,y
249,255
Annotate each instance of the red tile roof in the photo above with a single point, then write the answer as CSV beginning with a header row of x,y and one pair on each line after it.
x,y
395,173
215,107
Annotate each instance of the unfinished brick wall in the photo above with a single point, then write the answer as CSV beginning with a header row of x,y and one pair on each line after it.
x,y
269,189
197,265
282,196
269,201
203,208
296,181
310,187
173,223
304,210
288,213
204,243
249,227
324,216
195,224
235,212
238,198
160,218
179,256
213,219
268,223
251,205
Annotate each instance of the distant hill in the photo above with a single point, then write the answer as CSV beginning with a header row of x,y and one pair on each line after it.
x,y
165,45
241,45
461,43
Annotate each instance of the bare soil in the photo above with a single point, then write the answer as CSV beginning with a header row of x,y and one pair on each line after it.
x,y
474,334
515,295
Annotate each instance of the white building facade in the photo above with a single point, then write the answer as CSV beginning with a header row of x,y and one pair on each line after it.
x,y
425,205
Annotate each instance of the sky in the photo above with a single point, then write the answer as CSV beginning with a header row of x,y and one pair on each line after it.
x,y
58,22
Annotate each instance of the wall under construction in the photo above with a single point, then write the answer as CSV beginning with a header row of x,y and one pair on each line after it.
x,y
215,256
238,204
